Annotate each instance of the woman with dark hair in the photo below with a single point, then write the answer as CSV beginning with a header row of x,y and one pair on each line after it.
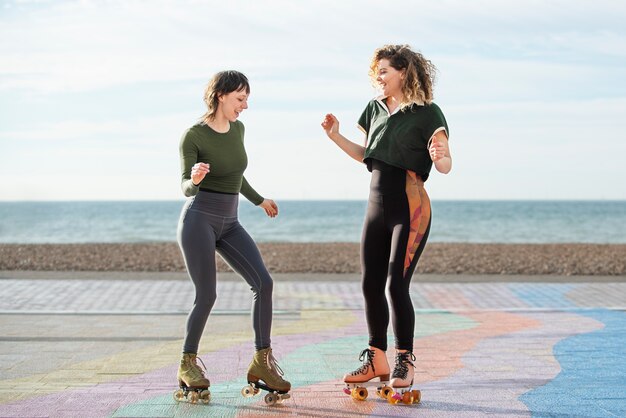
x,y
405,134
213,159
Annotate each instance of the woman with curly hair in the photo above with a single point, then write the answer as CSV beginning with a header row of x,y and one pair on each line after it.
x,y
405,133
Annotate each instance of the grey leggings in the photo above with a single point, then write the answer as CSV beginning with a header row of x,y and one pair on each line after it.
x,y
208,223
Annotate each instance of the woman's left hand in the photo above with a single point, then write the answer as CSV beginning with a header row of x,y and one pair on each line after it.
x,y
438,147
270,207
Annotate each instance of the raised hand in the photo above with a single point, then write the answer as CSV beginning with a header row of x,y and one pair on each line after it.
x,y
198,171
437,149
330,124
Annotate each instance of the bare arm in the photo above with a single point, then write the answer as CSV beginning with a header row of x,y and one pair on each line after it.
x,y
440,152
331,127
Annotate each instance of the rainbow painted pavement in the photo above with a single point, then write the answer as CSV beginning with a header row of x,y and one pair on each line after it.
x,y
74,347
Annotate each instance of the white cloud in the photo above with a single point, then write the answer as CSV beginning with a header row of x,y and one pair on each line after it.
x,y
113,131
526,88
85,45
547,149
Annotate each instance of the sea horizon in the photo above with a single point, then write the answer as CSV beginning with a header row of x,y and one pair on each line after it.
x,y
465,221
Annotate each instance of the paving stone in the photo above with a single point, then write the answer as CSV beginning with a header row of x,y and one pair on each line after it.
x,y
110,347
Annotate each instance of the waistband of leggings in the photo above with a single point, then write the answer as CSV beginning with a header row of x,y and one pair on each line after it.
x,y
220,204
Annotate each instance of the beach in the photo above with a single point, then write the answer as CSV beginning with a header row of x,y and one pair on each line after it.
x,y
438,258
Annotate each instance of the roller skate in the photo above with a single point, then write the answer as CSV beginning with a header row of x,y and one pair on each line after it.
x,y
374,366
264,373
194,387
402,380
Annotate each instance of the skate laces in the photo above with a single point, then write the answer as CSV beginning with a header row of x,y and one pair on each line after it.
x,y
271,361
402,359
197,370
367,357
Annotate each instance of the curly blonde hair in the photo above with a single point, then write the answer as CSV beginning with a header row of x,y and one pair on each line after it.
x,y
419,73
220,84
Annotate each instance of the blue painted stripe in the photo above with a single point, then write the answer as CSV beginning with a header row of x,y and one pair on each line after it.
x,y
592,381
544,295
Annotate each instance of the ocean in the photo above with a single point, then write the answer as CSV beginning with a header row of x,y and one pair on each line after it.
x,y
317,221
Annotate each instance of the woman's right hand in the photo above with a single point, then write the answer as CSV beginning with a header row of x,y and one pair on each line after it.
x,y
330,125
198,171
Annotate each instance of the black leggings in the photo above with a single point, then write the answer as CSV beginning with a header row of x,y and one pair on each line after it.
x,y
397,204
209,224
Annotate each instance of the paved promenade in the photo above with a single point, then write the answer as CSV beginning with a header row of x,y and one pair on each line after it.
x,y
96,345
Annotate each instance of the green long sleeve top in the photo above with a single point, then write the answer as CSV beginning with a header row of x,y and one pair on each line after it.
x,y
226,156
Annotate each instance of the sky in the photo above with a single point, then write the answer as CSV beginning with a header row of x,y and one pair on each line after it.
x,y
95,95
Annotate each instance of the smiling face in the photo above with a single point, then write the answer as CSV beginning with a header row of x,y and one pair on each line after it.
x,y
232,104
226,96
389,79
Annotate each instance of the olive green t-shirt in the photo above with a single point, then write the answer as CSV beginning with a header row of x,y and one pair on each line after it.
x,y
401,139
226,156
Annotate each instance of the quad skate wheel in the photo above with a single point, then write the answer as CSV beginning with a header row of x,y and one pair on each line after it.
x,y
417,396
205,396
248,391
193,396
271,398
360,394
407,398
179,395
386,392
393,398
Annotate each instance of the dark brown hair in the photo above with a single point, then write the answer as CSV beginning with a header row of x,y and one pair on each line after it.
x,y
222,83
